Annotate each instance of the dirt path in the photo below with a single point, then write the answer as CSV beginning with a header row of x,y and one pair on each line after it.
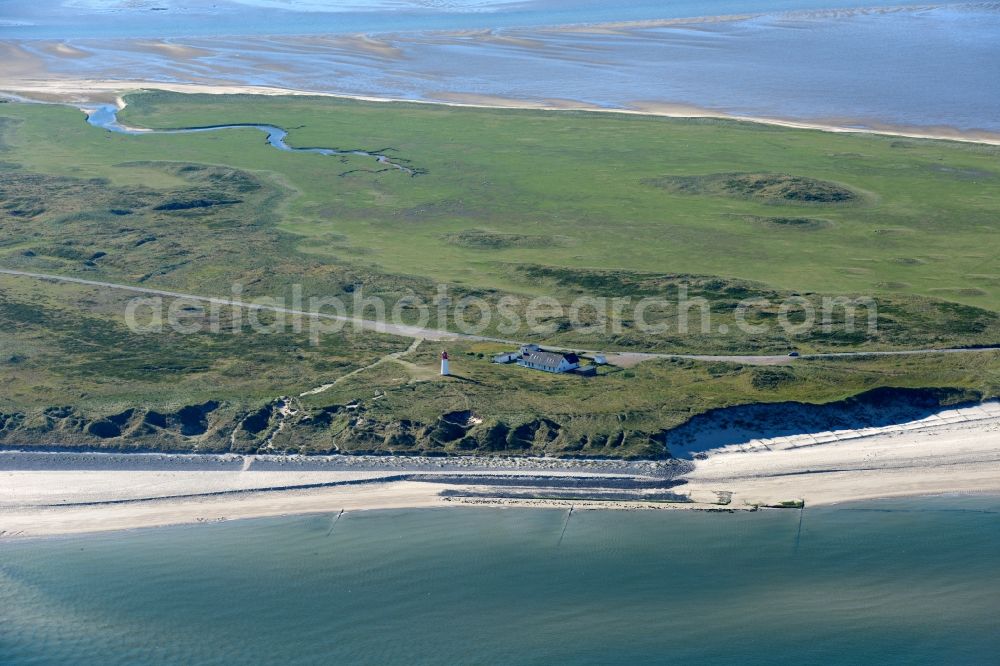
x,y
419,333
401,330
395,356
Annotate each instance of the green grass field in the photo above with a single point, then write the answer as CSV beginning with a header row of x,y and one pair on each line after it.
x,y
922,223
582,184
507,202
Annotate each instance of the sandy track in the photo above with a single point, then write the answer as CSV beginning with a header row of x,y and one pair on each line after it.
x,y
625,359
401,330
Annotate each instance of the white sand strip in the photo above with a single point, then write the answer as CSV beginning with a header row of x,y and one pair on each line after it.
x,y
929,460
69,90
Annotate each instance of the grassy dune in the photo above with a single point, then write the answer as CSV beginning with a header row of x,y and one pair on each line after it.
x,y
74,375
506,203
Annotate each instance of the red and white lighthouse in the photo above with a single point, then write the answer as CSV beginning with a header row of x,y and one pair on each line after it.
x,y
444,364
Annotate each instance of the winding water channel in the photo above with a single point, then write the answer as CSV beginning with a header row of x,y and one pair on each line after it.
x,y
105,116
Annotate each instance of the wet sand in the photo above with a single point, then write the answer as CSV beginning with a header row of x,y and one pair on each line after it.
x,y
915,72
67,493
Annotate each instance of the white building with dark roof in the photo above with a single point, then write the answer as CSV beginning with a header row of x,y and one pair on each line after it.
x,y
549,361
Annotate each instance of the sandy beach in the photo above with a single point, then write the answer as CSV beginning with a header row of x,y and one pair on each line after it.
x,y
951,452
44,494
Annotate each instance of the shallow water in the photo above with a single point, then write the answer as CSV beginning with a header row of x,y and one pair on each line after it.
x,y
919,68
105,116
883,582
107,19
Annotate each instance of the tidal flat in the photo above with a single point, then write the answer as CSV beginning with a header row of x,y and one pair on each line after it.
x,y
919,70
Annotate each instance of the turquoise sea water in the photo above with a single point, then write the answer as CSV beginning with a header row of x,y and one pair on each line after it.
x,y
891,582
